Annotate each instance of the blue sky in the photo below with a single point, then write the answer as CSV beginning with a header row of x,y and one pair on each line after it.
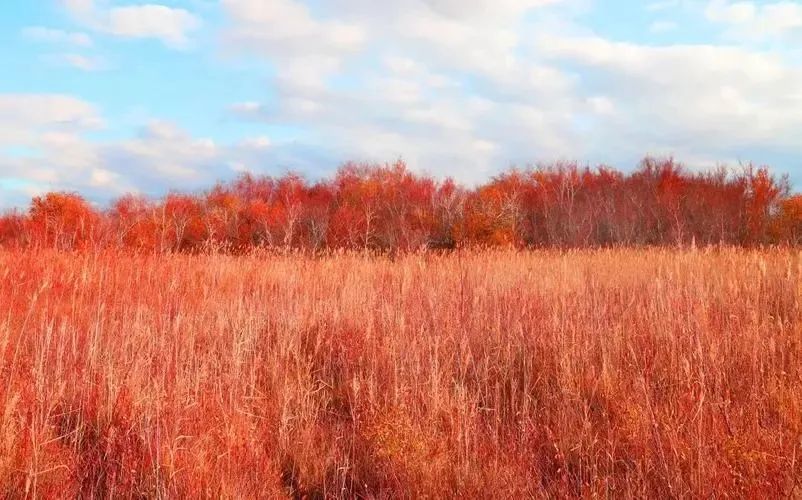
x,y
105,96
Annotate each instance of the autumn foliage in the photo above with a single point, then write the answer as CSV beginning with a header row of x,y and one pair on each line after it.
x,y
229,344
391,208
787,223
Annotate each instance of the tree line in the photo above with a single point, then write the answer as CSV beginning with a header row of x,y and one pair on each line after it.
x,y
389,208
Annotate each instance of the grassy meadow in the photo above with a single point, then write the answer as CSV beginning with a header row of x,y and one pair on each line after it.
x,y
477,373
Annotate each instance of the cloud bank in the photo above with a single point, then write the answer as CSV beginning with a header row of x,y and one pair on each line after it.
x,y
459,89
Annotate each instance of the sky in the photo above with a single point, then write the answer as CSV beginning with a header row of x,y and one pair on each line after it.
x,y
105,97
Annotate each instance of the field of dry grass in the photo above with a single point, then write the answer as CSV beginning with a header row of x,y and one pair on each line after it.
x,y
589,373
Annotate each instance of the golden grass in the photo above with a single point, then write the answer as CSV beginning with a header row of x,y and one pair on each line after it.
x,y
480,374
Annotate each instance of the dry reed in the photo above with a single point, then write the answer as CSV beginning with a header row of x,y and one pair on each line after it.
x,y
608,373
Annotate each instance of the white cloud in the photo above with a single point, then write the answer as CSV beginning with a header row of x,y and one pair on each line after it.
x,y
307,47
78,61
102,178
42,34
51,151
484,9
662,5
25,117
437,129
173,26
44,146
260,142
164,156
246,108
601,105
67,150
415,103
659,27
166,151
750,20
454,88
79,7
47,131
170,25
691,99
67,39
311,45
723,11
290,26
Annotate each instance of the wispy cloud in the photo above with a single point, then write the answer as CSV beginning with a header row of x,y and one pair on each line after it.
x,y
455,88
658,27
82,62
751,20
172,25
50,35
